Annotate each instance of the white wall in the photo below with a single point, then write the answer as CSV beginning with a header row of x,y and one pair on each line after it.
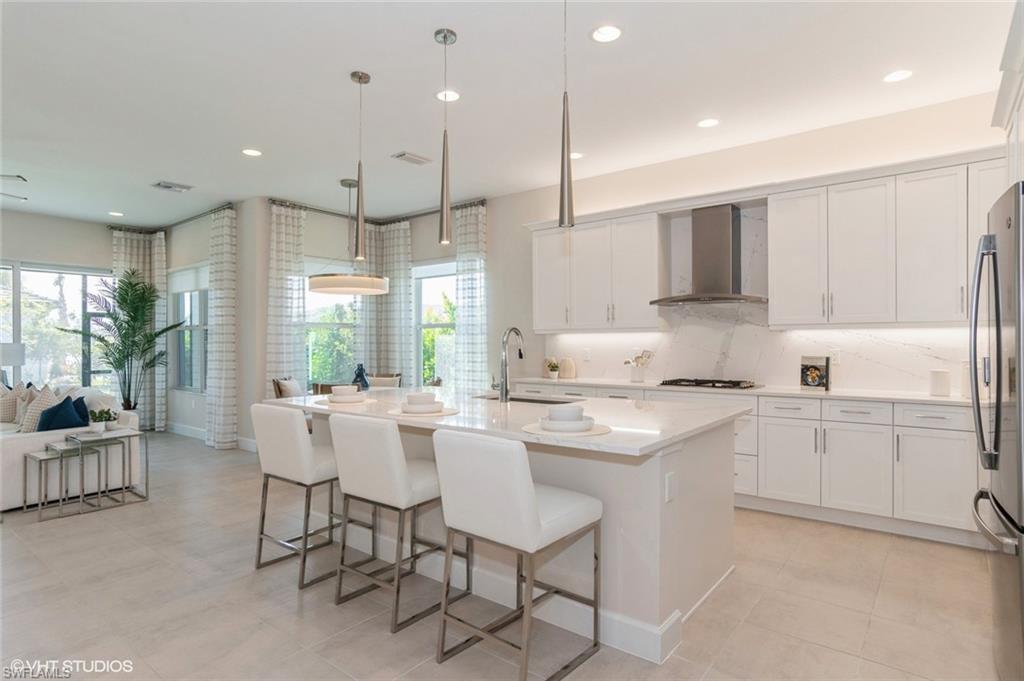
x,y
44,239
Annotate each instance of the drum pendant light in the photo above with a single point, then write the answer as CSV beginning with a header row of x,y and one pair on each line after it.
x,y
361,79
446,37
566,214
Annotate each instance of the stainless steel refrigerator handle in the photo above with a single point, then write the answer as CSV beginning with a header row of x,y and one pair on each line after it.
x,y
986,248
1003,543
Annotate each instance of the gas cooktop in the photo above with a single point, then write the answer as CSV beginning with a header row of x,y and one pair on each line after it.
x,y
709,383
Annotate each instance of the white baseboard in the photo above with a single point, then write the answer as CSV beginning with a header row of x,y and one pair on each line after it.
x,y
908,528
187,431
650,642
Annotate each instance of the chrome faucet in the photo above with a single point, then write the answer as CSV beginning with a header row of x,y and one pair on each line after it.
x,y
502,385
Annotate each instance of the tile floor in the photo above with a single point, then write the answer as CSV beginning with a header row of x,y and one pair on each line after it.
x,y
169,584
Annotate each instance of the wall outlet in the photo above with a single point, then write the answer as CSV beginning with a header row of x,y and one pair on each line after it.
x,y
834,353
670,487
586,354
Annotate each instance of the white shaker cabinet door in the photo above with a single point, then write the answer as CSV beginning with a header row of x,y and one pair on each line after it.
x,y
935,476
637,271
862,251
591,282
551,248
789,465
986,182
856,467
798,257
931,245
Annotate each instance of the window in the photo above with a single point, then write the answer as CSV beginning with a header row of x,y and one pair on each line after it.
x,y
435,322
189,345
36,302
330,332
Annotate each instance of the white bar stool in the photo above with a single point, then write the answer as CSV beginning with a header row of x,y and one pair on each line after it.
x,y
372,465
488,493
288,454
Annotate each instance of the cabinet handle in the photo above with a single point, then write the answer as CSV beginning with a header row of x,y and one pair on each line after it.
x,y
787,408
854,411
824,440
961,299
897,447
566,314
572,394
822,304
831,304
619,397
613,312
932,418
815,440
607,312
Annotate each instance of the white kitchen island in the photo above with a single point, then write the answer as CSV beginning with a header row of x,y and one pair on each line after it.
x,y
664,474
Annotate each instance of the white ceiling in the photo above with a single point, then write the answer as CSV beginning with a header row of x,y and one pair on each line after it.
x,y
102,100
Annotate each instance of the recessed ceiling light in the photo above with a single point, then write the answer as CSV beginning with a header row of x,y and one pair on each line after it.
x,y
707,123
606,34
575,155
115,213
897,76
252,152
448,95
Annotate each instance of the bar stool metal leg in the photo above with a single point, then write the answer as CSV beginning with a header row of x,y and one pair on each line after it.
x,y
344,538
263,518
397,580
446,583
304,546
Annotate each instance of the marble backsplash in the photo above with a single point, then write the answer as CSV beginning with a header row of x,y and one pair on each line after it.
x,y
733,341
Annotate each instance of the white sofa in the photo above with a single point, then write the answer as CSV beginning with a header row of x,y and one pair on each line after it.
x,y
14,446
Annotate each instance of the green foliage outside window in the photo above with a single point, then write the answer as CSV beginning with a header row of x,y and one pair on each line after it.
x,y
430,346
330,343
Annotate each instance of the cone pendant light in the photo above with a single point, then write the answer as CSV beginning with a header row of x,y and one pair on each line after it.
x,y
566,213
361,79
446,37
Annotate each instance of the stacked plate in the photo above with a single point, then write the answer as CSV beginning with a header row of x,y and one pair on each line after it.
x,y
422,403
346,394
566,418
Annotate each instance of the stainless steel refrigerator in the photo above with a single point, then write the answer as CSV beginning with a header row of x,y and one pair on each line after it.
x,y
996,346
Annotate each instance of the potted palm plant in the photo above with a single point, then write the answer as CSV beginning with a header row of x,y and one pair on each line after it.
x,y
125,334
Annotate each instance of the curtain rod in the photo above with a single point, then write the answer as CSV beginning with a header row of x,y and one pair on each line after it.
x,y
136,230
213,210
376,221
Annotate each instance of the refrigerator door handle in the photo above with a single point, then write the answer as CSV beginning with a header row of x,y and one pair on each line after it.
x,y
1005,544
986,248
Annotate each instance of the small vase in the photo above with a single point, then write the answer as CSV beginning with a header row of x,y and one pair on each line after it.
x,y
636,374
96,426
112,425
552,375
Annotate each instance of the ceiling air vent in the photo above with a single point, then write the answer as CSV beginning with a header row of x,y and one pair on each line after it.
x,y
172,186
412,158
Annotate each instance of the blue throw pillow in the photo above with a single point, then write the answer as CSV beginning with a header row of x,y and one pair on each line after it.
x,y
59,416
81,409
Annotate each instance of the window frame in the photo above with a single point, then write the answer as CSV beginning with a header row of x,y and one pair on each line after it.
x,y
313,265
200,331
420,273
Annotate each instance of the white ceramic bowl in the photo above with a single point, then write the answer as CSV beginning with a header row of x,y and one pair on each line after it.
x,y
583,425
429,408
348,399
421,398
565,412
344,390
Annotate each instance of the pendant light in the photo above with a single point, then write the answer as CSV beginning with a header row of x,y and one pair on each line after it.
x,y
446,37
361,79
566,214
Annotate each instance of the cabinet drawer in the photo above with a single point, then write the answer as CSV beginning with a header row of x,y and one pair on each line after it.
x,y
531,389
934,416
857,412
745,430
789,407
573,391
745,481
620,393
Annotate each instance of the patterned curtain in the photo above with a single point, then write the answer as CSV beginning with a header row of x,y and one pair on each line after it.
x,y
147,253
286,297
471,366
221,339
385,330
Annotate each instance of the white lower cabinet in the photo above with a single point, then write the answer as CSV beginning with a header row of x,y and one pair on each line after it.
x,y
935,476
574,391
789,464
746,474
856,467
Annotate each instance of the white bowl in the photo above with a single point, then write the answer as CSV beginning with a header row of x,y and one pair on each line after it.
x,y
429,408
583,425
347,399
344,390
421,398
565,412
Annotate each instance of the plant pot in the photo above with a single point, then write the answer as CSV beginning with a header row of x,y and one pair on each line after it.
x,y
552,375
113,425
97,426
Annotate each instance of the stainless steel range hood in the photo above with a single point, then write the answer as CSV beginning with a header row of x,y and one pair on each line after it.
x,y
717,268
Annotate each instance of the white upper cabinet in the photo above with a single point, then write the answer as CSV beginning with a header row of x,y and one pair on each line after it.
x,y
638,271
798,257
931,245
986,182
590,304
862,251
551,249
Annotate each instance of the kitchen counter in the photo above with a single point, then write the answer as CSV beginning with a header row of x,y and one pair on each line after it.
x,y
638,428
760,391
664,475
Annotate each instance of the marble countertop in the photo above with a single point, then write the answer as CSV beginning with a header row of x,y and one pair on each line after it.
x,y
638,428
761,391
